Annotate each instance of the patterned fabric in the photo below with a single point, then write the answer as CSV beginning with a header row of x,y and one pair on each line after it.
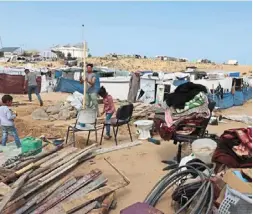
x,y
198,100
244,135
201,111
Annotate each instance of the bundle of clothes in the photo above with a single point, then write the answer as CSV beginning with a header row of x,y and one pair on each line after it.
x,y
188,105
234,149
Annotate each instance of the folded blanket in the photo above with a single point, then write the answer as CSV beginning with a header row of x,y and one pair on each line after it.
x,y
201,111
198,100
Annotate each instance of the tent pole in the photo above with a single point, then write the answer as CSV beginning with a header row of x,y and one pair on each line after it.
x,y
84,74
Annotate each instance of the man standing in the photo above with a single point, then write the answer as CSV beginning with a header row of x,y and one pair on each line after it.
x,y
32,85
92,88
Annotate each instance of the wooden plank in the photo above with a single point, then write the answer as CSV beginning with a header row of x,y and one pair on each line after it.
x,y
88,208
4,189
62,188
39,156
67,167
105,206
84,190
74,205
61,155
44,182
40,197
11,209
16,186
49,169
95,184
73,160
62,195
115,148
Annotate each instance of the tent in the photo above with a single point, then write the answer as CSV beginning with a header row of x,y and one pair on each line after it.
x,y
13,84
68,86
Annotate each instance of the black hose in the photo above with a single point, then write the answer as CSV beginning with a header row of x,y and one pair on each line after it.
x,y
203,195
159,186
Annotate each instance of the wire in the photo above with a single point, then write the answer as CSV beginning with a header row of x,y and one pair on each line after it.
x,y
203,195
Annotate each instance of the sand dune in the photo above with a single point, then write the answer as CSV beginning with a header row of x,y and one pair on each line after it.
x,y
131,64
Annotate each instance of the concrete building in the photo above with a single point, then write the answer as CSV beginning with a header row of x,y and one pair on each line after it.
x,y
74,50
48,54
9,52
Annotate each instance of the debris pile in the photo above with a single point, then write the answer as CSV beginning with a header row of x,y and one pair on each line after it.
x,y
43,183
60,111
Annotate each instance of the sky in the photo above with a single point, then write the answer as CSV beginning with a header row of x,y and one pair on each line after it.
x,y
218,31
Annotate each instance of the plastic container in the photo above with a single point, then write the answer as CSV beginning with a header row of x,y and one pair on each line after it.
x,y
235,202
31,144
203,149
58,142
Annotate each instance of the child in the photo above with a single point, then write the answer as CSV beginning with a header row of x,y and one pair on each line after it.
x,y
109,109
7,121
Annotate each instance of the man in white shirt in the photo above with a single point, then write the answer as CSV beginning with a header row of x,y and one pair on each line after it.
x,y
7,121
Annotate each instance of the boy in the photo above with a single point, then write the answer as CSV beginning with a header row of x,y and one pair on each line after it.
x,y
109,109
7,121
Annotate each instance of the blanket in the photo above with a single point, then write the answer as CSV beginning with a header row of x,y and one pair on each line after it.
x,y
197,101
184,93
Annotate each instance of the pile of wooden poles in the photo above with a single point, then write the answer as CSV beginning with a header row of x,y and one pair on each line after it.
x,y
44,184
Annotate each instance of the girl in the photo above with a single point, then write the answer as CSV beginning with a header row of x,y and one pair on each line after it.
x,y
109,109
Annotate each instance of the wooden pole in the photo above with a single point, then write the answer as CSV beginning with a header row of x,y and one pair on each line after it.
x,y
84,73
118,171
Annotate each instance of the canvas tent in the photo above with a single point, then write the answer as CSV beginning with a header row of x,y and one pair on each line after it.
x,y
12,81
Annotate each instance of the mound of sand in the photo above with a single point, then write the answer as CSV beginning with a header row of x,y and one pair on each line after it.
x,y
131,64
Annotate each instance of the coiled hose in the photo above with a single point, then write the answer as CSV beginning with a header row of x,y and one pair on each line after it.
x,y
203,195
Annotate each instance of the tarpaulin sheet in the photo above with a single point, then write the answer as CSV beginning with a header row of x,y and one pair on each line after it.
x,y
234,74
179,82
247,93
238,98
68,86
13,84
57,74
226,102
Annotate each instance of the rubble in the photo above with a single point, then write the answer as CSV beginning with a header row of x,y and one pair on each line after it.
x,y
59,111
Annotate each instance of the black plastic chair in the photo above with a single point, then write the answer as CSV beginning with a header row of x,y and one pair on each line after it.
x,y
123,117
200,132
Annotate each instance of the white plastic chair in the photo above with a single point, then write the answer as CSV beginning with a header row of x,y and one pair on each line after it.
x,y
86,121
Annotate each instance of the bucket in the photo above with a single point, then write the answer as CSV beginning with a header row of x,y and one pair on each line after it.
x,y
203,149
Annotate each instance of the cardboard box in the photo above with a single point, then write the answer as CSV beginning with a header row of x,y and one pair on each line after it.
x,y
236,182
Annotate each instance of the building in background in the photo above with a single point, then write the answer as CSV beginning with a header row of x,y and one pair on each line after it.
x,y
76,51
9,52
48,54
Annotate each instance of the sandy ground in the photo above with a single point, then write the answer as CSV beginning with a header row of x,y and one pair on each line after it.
x,y
141,164
131,64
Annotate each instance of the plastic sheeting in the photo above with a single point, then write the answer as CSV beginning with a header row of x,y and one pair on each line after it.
x,y
179,82
13,84
68,86
247,94
226,102
234,74
238,98
229,100
57,74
